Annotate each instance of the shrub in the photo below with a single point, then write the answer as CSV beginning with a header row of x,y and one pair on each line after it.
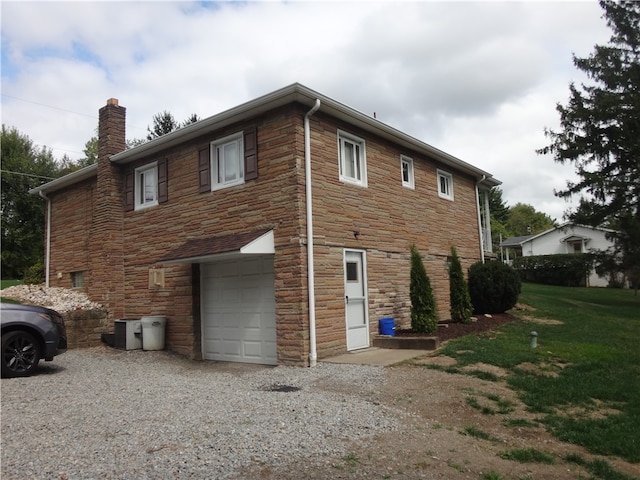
x,y
460,302
423,305
34,275
569,269
494,287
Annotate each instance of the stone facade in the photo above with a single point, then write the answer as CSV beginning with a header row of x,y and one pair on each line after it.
x,y
116,249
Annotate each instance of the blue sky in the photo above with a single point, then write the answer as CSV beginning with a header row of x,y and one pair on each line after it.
x,y
478,80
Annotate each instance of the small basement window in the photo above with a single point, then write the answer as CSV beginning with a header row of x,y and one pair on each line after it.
x,y
77,279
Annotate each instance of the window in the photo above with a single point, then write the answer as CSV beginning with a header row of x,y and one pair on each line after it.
x,y
352,272
445,185
406,165
353,166
77,279
227,162
146,188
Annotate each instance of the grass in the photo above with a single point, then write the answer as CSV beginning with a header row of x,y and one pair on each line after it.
x,y
587,383
475,432
8,283
527,455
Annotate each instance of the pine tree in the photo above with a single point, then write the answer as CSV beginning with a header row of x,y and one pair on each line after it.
x,y
600,131
423,305
460,300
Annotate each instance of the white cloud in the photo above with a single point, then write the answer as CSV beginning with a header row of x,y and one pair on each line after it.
x,y
477,79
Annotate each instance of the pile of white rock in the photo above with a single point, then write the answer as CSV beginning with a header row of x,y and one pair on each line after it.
x,y
59,299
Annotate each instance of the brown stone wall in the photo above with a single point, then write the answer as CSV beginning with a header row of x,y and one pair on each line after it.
x,y
71,218
389,218
85,328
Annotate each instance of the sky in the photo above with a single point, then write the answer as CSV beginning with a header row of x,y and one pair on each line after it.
x,y
479,79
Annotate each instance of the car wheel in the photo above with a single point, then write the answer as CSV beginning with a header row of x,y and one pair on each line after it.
x,y
20,354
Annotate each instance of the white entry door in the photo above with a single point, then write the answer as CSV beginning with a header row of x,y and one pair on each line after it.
x,y
355,291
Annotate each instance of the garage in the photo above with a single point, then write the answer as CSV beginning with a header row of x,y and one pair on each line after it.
x,y
238,310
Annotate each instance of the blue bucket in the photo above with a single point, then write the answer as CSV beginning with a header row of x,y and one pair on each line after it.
x,y
387,326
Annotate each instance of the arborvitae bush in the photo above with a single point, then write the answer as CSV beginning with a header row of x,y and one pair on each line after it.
x,y
424,318
460,301
494,287
34,275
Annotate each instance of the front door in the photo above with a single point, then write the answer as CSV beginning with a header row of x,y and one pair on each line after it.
x,y
355,290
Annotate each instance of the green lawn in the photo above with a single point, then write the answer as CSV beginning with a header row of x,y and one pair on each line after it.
x,y
589,350
9,283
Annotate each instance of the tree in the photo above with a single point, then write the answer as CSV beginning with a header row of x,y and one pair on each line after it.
x,y
600,135
90,152
460,301
423,303
523,219
165,122
499,212
23,167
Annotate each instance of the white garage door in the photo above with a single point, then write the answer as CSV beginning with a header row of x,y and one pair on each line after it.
x,y
238,311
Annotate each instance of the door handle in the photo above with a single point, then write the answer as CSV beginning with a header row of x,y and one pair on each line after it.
x,y
347,298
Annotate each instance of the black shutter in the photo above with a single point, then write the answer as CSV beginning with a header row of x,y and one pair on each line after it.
x,y
251,153
163,191
204,169
129,187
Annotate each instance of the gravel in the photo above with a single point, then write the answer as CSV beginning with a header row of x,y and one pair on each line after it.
x,y
60,299
104,413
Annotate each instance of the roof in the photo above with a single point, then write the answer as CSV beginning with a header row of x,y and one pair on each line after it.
x,y
515,241
199,249
292,93
518,241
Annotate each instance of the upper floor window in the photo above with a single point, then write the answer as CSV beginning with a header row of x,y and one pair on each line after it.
x,y
353,165
146,186
227,162
445,185
406,165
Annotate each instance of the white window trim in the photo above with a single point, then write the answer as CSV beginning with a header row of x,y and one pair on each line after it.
x,y
137,187
411,183
236,137
342,135
449,177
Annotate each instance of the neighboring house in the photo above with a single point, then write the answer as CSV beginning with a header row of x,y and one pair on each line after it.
x,y
209,226
565,238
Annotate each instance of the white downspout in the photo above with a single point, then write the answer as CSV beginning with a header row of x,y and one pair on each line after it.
x,y
47,240
313,355
480,218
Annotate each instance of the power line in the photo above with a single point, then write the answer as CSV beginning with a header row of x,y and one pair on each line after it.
x,y
50,106
28,175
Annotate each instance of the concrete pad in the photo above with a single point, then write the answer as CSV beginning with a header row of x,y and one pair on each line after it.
x,y
376,356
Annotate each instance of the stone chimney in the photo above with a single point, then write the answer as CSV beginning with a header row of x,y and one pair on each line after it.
x,y
107,242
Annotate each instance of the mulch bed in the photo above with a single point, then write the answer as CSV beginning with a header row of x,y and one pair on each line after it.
x,y
448,329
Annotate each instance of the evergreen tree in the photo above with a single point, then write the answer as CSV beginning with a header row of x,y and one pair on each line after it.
x,y
460,301
600,135
23,167
423,305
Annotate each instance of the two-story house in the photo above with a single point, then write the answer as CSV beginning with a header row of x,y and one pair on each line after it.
x,y
210,226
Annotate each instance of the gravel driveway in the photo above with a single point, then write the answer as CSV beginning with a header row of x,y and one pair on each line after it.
x,y
103,413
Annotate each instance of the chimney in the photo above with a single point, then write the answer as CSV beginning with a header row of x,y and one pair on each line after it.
x,y
107,241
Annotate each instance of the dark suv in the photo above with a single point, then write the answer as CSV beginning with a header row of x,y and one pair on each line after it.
x,y
29,333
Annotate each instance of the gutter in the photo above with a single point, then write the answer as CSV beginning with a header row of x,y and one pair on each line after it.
x,y
48,239
313,355
484,177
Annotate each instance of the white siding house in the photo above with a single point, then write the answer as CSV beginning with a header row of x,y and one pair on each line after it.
x,y
565,238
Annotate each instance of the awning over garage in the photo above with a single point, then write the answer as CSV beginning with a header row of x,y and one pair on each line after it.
x,y
202,250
